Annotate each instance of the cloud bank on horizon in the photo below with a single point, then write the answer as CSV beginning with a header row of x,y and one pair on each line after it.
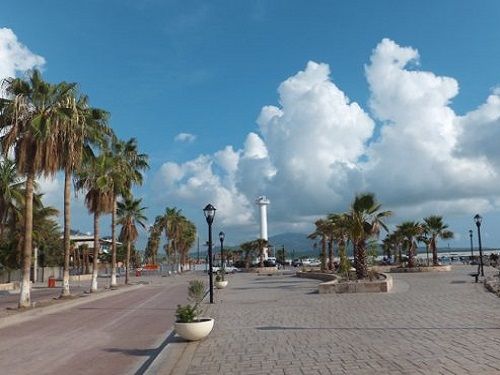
x,y
315,150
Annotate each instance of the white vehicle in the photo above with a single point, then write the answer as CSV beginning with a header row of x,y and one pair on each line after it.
x,y
228,269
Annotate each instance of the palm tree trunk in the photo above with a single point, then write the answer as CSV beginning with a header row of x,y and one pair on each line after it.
x,y
411,258
434,252
65,292
24,295
427,251
361,262
330,255
127,262
323,254
113,243
93,287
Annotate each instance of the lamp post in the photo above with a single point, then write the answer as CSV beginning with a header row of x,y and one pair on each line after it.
x,y
478,220
209,212
221,238
471,245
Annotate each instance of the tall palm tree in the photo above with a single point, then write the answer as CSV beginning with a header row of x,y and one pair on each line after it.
x,y
30,117
94,178
130,214
128,165
410,230
435,228
84,128
186,239
365,221
153,244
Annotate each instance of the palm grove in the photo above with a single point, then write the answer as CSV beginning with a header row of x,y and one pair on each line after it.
x,y
360,227
48,128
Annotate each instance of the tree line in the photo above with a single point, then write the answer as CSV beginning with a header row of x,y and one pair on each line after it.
x,y
362,223
47,128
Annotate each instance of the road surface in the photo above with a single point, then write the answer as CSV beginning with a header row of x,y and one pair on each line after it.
x,y
113,335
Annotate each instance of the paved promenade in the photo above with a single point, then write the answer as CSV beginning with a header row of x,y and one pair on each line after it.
x,y
433,323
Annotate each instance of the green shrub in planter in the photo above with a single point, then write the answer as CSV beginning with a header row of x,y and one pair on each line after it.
x,y
186,313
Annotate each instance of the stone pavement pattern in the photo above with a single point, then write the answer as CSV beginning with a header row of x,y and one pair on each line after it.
x,y
433,323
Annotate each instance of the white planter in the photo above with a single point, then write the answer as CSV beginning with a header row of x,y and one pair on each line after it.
x,y
221,284
196,330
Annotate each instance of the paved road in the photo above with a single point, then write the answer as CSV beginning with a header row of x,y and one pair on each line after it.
x,y
436,323
113,335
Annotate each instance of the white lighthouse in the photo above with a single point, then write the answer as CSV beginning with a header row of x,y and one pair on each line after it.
x,y
263,202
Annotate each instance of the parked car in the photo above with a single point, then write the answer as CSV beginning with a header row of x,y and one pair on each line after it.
x,y
296,262
270,262
228,269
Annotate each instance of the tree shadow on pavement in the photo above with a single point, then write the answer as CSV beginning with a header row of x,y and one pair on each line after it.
x,y
150,353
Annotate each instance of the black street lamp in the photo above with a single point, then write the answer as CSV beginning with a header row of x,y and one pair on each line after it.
x,y
209,212
478,220
471,245
221,238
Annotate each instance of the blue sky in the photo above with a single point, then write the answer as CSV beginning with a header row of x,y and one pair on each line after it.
x,y
209,68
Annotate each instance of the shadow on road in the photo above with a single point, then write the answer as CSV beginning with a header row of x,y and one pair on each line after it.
x,y
150,353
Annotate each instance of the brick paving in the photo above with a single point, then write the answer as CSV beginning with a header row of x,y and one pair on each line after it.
x,y
432,323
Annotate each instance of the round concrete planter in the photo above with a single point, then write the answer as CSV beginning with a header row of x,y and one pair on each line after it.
x,y
196,330
221,284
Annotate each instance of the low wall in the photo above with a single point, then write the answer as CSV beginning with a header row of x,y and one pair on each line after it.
x,y
9,286
85,277
266,270
446,268
332,285
317,275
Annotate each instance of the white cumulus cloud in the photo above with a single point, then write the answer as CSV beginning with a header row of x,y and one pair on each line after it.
x,y
185,137
14,56
316,149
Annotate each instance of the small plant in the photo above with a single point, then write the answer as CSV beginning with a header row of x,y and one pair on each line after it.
x,y
196,291
189,313
220,275
186,313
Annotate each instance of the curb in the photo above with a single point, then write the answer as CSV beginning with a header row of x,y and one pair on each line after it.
x,y
173,358
36,312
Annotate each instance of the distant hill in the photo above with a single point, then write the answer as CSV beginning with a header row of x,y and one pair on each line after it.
x,y
296,242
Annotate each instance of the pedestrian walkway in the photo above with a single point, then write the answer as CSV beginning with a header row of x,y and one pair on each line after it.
x,y
432,323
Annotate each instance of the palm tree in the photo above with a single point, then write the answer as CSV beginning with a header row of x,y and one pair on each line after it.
x,y
153,244
364,221
339,232
10,192
129,214
410,230
170,223
248,248
260,244
322,230
94,178
84,128
128,165
179,232
435,228
30,117
186,239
